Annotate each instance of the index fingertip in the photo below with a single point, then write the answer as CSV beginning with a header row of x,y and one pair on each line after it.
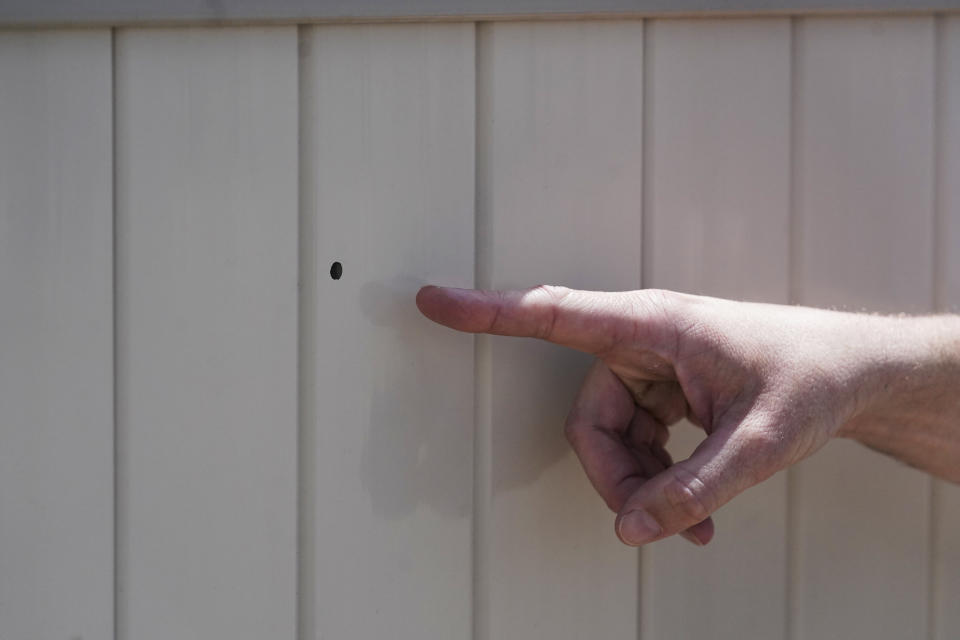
x,y
427,298
424,295
448,306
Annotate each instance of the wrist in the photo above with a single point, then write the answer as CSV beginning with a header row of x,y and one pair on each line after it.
x,y
907,387
898,360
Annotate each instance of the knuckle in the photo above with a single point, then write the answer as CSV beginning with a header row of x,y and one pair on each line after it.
x,y
660,301
553,297
689,496
552,292
664,319
761,442
763,450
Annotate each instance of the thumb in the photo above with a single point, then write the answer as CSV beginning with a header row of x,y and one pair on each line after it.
x,y
687,493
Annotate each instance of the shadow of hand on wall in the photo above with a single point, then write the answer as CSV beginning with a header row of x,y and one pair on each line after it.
x,y
533,386
419,444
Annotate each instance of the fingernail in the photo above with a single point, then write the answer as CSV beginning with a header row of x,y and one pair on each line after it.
x,y
689,537
638,527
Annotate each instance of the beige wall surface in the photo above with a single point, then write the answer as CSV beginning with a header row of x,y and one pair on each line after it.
x,y
204,435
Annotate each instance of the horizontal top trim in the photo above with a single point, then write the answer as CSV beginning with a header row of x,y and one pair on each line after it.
x,y
34,13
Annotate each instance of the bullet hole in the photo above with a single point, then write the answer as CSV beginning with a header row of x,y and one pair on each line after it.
x,y
336,270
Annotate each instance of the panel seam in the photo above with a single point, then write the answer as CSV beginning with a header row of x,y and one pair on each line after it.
x,y
113,332
939,303
794,296
646,261
480,565
305,359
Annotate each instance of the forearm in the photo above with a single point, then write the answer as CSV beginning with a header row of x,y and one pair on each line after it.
x,y
910,404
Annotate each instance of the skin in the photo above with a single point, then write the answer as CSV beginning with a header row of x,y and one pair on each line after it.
x,y
768,384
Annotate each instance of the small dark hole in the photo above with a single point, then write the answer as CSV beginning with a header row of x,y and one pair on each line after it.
x,y
336,270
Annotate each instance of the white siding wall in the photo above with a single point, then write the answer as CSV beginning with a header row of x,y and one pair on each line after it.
x,y
206,308
863,190
717,222
298,457
559,197
387,190
56,336
945,549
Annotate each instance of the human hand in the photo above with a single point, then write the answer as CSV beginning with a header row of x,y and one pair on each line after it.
x,y
768,384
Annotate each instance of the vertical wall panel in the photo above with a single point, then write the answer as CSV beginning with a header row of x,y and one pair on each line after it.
x,y
207,320
388,173
864,200
560,121
948,141
946,555
56,344
717,223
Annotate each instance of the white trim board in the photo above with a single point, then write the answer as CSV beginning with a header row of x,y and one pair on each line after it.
x,y
45,13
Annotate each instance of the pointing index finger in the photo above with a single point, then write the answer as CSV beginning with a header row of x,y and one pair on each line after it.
x,y
590,321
